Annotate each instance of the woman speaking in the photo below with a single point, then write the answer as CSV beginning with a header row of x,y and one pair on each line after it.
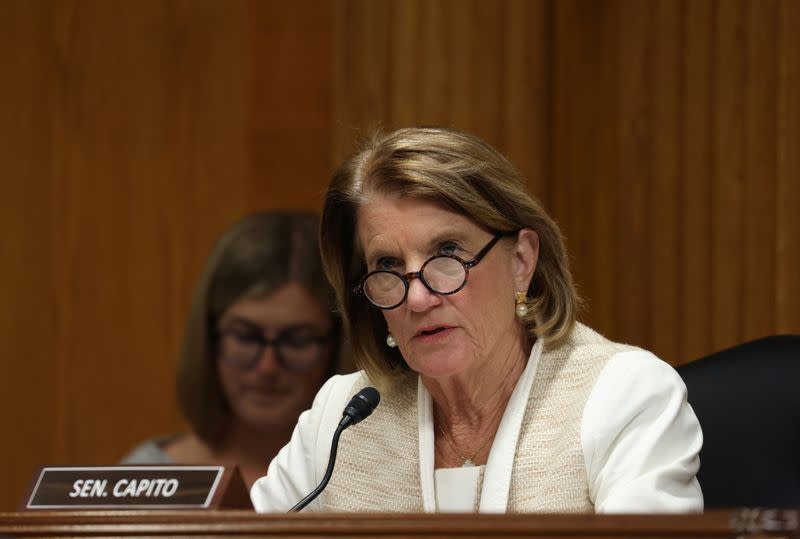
x,y
456,296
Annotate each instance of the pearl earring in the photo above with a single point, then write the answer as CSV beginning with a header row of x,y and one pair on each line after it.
x,y
390,342
521,302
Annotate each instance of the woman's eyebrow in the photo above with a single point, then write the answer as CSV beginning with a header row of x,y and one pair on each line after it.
x,y
430,244
445,235
379,248
241,321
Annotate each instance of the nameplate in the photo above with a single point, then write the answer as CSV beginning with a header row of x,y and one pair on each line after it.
x,y
136,487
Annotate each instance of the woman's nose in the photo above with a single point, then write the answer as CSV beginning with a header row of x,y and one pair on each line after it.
x,y
267,362
419,297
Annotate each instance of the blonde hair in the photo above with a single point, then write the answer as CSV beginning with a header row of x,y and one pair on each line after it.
x,y
464,174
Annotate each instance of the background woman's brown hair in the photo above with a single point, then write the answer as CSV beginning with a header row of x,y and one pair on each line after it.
x,y
254,257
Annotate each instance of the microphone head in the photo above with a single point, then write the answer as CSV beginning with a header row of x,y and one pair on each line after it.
x,y
362,404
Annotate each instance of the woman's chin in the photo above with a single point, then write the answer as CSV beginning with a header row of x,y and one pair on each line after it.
x,y
268,413
440,364
267,422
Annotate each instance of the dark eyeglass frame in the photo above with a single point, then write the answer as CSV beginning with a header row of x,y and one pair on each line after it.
x,y
407,277
263,342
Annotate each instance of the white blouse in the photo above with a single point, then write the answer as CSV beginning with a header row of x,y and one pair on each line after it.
x,y
457,489
635,420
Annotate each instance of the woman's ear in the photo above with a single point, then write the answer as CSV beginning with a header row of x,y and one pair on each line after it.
x,y
526,255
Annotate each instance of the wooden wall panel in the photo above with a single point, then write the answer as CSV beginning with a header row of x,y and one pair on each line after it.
x,y
476,66
693,92
760,175
787,221
664,247
29,394
132,134
727,230
584,176
527,97
696,169
288,127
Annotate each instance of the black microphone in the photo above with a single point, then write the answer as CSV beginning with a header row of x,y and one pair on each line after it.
x,y
360,407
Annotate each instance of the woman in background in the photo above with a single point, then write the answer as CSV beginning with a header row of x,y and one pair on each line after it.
x,y
260,341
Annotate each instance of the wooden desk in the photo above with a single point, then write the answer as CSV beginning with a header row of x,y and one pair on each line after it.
x,y
733,523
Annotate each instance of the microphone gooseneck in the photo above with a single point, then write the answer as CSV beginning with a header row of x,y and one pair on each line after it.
x,y
360,406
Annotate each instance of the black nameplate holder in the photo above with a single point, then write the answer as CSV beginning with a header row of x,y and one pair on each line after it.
x,y
137,487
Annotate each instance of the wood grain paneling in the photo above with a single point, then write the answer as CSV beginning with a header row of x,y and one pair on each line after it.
x,y
29,393
476,66
760,175
132,134
584,175
727,230
527,100
787,222
695,99
663,246
697,169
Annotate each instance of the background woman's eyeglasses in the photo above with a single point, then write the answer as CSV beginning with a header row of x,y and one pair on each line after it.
x,y
297,348
441,274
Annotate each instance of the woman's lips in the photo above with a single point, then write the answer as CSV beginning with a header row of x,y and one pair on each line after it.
x,y
270,392
262,397
433,334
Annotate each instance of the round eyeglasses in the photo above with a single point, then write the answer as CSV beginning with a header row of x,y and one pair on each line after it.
x,y
441,274
297,348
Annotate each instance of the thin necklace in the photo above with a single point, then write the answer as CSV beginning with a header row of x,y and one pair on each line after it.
x,y
466,461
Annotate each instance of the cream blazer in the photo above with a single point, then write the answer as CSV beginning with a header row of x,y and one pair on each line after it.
x,y
590,426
